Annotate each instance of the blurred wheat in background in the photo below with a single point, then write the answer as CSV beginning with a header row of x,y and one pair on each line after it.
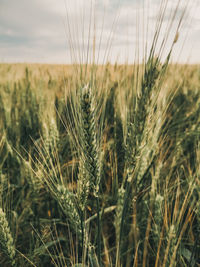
x,y
100,162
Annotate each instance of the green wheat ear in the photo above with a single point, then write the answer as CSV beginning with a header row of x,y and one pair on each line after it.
x,y
89,167
66,200
6,240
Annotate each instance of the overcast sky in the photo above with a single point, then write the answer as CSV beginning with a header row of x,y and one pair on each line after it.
x,y
57,31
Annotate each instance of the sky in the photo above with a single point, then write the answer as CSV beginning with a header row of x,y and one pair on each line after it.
x,y
66,31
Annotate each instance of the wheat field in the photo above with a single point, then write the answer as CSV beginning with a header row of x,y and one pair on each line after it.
x,y
105,177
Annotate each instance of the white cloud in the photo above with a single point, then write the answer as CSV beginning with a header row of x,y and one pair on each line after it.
x,y
39,31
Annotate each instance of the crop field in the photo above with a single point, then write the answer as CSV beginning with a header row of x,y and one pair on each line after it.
x,y
105,177
100,163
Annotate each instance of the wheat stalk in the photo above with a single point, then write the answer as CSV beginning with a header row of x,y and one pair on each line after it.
x,y
6,240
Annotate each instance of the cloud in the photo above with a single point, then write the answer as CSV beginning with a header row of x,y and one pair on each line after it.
x,y
29,30
44,31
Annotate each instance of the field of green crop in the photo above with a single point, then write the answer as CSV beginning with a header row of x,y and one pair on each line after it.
x,y
100,169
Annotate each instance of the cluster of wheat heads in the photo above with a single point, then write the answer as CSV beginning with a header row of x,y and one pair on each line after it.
x,y
142,212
